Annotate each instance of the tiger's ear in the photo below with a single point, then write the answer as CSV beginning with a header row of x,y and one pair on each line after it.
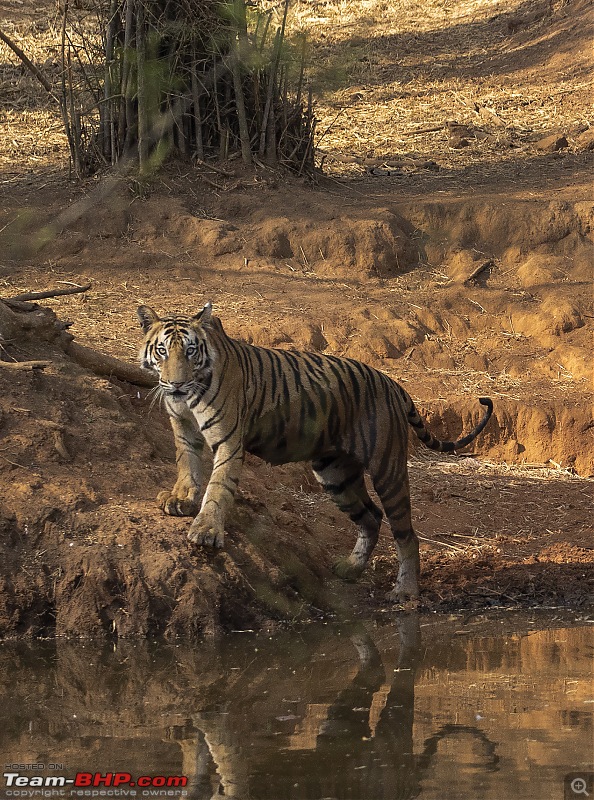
x,y
147,317
204,316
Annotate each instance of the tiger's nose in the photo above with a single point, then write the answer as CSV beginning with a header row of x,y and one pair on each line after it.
x,y
177,384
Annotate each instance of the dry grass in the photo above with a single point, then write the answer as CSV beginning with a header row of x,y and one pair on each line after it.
x,y
380,70
388,68
33,137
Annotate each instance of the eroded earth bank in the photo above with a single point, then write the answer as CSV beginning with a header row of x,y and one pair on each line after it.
x,y
463,277
85,549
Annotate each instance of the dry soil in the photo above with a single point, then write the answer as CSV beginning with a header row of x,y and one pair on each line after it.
x,y
461,270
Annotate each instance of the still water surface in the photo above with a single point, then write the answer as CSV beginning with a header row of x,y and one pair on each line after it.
x,y
445,709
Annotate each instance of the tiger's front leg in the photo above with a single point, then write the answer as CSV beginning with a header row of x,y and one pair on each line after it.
x,y
209,526
183,499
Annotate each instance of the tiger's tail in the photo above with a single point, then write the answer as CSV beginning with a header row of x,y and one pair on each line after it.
x,y
430,441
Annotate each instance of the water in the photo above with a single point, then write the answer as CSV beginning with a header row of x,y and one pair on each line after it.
x,y
445,709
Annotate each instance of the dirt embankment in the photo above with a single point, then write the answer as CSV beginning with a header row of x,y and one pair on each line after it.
x,y
455,298
461,270
86,551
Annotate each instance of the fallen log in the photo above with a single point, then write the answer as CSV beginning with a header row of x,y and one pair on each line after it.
x,y
43,325
108,366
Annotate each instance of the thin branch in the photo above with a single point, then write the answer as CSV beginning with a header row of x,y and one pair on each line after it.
x,y
24,365
481,268
197,116
126,113
240,43
49,293
424,129
107,120
28,63
225,173
141,93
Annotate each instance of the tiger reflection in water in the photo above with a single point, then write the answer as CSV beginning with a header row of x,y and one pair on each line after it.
x,y
359,746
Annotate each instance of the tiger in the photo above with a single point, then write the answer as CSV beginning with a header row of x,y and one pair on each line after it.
x,y
345,417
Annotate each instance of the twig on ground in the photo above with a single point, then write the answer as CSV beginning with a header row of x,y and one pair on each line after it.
x,y
213,168
25,365
16,464
424,129
44,295
481,268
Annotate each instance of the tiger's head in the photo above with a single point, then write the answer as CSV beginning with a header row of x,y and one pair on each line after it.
x,y
176,348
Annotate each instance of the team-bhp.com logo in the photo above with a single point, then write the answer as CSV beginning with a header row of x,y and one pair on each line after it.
x,y
15,782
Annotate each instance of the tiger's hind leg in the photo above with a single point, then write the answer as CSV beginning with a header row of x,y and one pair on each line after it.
x,y
343,479
394,493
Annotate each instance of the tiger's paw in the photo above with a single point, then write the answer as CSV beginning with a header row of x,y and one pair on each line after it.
x,y
182,503
406,588
346,570
206,533
403,600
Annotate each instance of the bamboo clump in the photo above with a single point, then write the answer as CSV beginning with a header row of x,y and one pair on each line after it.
x,y
144,79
